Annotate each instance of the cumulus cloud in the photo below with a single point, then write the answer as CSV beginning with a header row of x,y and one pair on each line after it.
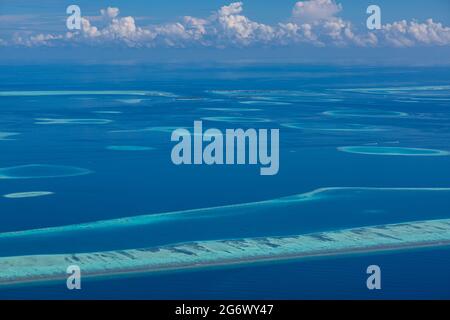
x,y
118,30
110,12
36,40
314,22
231,25
315,10
407,34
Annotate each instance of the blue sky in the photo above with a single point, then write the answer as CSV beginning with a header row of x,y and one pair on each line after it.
x,y
267,11
135,31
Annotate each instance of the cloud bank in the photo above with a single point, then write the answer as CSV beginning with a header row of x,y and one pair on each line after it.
x,y
314,22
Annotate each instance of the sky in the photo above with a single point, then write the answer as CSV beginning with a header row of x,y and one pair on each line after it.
x,y
140,31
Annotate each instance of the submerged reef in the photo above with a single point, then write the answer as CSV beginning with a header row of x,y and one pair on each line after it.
x,y
297,214
231,109
266,102
30,194
163,129
37,171
6,135
344,127
71,121
236,119
129,148
365,113
402,90
130,101
85,93
394,151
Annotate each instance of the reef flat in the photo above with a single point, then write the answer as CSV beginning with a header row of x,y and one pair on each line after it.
x,y
396,90
236,119
72,121
200,254
129,148
266,102
40,171
6,135
394,151
368,113
30,194
343,127
306,212
84,93
275,97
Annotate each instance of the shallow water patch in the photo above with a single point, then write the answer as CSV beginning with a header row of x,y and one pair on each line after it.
x,y
84,93
51,121
29,194
369,113
129,148
333,127
6,135
265,103
38,171
393,151
236,119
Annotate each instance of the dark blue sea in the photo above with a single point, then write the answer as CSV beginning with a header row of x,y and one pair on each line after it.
x,y
80,144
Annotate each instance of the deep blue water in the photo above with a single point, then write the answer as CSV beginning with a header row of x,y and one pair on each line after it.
x,y
317,109
405,275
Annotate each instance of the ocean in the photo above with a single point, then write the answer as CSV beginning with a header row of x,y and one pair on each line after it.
x,y
359,147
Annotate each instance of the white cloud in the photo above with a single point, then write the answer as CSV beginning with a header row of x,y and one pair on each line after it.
x,y
118,30
110,12
407,34
315,10
313,22
233,8
239,29
36,40
88,30
195,27
341,33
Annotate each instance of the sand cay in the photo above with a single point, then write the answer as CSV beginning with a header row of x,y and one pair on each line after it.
x,y
200,254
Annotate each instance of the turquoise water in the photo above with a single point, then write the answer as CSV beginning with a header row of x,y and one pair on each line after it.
x,y
395,151
85,166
